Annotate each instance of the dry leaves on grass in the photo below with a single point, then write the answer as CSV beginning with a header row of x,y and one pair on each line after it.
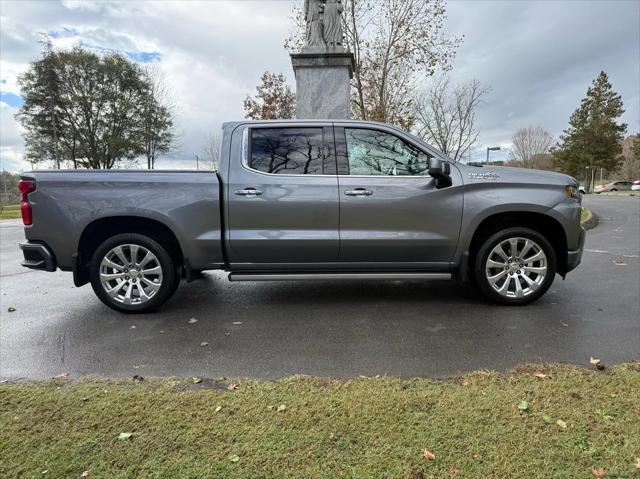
x,y
428,455
542,375
637,463
233,386
84,474
123,436
598,472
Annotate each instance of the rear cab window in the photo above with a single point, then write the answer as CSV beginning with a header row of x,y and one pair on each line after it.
x,y
287,150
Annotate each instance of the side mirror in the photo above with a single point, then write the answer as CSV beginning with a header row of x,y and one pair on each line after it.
x,y
440,171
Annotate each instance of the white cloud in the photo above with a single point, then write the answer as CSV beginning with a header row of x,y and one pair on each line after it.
x,y
538,56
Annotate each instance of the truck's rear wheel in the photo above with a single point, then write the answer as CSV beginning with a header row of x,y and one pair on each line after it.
x,y
515,266
132,273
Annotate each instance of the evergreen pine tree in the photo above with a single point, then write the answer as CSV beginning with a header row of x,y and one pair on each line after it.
x,y
594,135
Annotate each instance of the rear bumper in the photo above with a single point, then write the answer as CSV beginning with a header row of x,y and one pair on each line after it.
x,y
38,256
574,257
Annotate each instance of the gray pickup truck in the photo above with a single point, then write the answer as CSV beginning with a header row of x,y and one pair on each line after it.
x,y
301,200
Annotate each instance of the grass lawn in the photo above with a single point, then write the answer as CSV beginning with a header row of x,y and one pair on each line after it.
x,y
10,212
483,425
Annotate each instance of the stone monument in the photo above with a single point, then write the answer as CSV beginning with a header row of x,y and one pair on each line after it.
x,y
323,68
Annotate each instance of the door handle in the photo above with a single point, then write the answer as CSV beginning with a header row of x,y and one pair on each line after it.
x,y
358,192
248,192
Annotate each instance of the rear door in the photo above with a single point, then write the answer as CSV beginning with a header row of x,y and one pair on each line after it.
x,y
391,212
283,204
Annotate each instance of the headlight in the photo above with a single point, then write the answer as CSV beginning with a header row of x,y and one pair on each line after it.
x,y
572,192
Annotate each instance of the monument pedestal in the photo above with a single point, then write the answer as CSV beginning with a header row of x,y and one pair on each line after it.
x,y
323,90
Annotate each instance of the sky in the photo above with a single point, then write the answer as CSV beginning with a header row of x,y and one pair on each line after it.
x,y
538,58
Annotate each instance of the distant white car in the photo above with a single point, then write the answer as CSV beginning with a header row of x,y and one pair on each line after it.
x,y
635,186
613,186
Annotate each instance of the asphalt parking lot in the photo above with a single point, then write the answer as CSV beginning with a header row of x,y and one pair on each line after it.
x,y
337,329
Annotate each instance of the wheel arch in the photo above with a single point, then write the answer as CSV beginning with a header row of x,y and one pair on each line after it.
x,y
544,224
101,229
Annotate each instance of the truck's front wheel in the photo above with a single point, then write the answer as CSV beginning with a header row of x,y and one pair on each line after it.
x,y
515,266
132,273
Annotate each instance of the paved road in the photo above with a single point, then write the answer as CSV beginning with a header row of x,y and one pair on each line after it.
x,y
271,330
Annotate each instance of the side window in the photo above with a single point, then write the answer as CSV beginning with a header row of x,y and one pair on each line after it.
x,y
375,153
286,151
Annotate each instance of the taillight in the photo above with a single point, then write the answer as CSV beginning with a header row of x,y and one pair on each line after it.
x,y
26,187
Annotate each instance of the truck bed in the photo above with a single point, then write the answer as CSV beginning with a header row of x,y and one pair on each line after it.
x,y
78,201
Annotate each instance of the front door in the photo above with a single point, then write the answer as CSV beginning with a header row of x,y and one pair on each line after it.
x,y
391,212
283,196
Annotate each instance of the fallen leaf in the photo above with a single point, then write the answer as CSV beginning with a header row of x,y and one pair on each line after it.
x,y
234,458
132,327
84,474
45,471
637,463
11,309
282,407
428,455
594,361
598,472
477,456
196,380
523,406
217,409
233,386
546,418
237,323
564,324
161,331
619,263
61,376
561,423
125,435
204,344
83,399
227,334
192,321
540,375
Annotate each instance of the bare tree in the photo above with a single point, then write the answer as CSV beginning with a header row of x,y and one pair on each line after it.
x,y
528,144
446,115
157,132
212,148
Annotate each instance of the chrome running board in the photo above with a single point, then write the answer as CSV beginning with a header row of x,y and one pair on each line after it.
x,y
335,276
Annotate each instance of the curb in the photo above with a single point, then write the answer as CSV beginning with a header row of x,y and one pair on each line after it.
x,y
591,221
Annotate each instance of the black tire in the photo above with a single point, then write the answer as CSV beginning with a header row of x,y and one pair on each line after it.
x,y
169,281
480,261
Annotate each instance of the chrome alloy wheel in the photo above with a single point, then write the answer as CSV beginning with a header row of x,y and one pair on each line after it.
x,y
130,274
516,267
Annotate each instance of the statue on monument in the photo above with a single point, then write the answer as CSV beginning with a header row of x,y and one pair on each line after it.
x,y
324,24
313,15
